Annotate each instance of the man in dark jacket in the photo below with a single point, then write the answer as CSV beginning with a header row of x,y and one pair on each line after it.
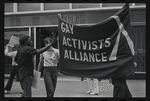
x,y
120,86
24,58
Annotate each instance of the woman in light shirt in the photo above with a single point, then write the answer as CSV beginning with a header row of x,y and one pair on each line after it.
x,y
49,61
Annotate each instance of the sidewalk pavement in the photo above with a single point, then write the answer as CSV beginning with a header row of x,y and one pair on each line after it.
x,y
68,86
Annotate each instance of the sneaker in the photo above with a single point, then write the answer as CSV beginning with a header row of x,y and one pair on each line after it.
x,y
6,91
93,93
88,92
21,92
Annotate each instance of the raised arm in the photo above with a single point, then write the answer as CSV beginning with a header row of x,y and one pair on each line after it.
x,y
11,54
39,51
6,50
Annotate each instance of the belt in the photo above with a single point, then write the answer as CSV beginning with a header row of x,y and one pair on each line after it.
x,y
50,66
14,65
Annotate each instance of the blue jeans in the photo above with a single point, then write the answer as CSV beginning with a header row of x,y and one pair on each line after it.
x,y
50,79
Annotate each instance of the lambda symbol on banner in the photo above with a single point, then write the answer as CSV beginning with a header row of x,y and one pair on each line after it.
x,y
125,33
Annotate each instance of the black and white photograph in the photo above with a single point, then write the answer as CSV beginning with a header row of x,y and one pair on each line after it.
x,y
87,50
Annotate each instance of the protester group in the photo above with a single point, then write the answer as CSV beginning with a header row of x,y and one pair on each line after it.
x,y
22,66
72,40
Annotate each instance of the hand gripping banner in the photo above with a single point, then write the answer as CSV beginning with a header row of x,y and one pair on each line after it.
x,y
103,50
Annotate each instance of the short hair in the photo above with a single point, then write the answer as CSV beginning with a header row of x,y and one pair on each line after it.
x,y
47,39
23,39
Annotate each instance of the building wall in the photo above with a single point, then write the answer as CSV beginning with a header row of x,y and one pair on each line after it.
x,y
78,17
27,15
34,7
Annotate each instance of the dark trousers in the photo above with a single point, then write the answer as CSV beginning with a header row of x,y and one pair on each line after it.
x,y
12,75
120,87
26,84
50,79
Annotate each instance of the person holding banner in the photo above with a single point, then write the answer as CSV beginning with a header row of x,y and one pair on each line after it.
x,y
120,86
24,58
49,59
93,86
14,66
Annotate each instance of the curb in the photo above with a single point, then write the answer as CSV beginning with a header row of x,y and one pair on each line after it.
x,y
60,78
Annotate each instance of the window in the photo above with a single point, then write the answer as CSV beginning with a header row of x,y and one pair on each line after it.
x,y
22,7
139,4
56,6
7,35
114,4
16,32
8,7
85,5
139,44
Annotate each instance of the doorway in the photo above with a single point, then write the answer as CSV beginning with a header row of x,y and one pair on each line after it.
x,y
43,32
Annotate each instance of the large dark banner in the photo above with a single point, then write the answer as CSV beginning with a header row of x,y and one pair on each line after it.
x,y
103,50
